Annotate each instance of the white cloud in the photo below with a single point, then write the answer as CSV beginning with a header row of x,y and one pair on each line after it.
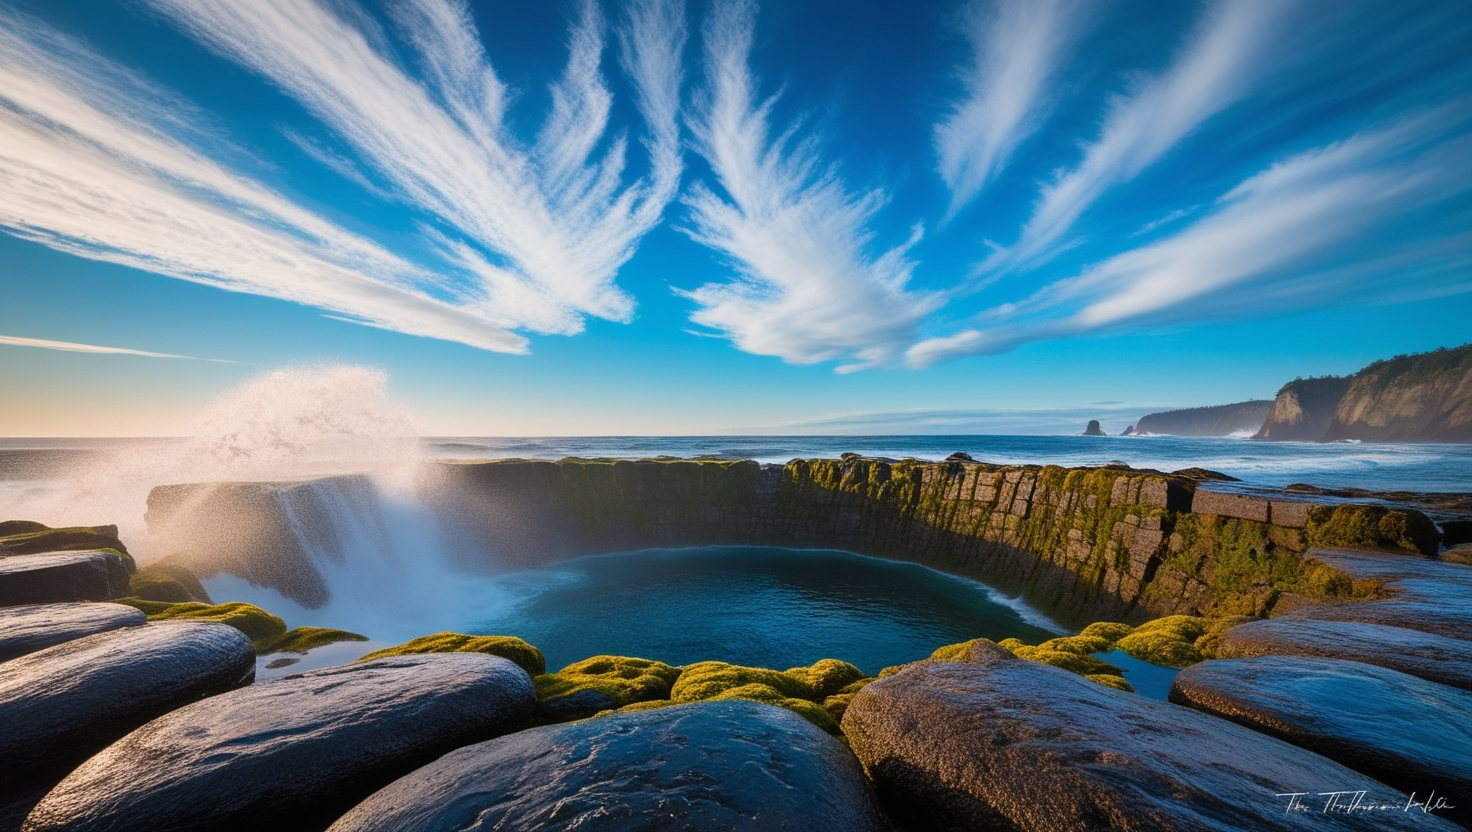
x,y
68,346
540,231
1229,51
1018,47
806,289
87,167
1278,238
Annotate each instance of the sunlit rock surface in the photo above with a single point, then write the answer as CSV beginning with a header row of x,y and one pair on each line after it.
x,y
1425,655
704,766
31,627
291,753
1407,732
1003,743
60,705
62,576
1424,594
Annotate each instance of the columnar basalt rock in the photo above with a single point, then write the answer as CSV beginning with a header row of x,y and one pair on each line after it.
x,y
1085,543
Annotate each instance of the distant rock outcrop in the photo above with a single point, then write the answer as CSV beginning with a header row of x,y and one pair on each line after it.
x,y
1093,429
1220,420
1303,409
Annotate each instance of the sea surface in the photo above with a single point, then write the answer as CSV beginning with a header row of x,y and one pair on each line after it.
x,y
1377,467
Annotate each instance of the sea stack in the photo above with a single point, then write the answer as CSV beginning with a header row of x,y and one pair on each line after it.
x,y
1094,429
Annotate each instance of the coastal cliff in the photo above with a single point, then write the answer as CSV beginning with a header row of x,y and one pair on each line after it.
x,y
1414,398
1409,398
1082,544
1303,409
1219,420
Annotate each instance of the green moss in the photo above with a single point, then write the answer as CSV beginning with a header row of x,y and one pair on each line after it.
x,y
69,539
949,653
1210,641
1372,526
304,639
837,705
262,627
1110,681
827,676
1109,631
1072,662
167,580
524,655
707,681
1168,641
624,680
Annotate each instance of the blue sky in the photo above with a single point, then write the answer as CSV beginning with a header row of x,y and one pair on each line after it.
x,y
652,217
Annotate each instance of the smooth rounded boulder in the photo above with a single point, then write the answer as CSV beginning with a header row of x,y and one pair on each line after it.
x,y
1412,734
1425,655
1002,743
31,627
60,705
728,765
290,753
62,576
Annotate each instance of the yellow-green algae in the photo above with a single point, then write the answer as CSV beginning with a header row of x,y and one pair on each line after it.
x,y
524,655
304,639
803,690
1370,525
623,679
262,627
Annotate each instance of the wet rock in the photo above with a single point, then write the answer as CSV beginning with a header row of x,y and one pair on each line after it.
x,y
1407,732
31,627
1424,655
1002,743
62,576
730,765
1424,594
576,705
60,705
291,753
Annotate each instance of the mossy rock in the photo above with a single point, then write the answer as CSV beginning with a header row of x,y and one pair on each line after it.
x,y
1372,526
635,707
1110,631
1110,681
622,679
707,680
806,708
305,639
524,655
1081,645
168,580
1210,641
949,653
1083,665
1168,642
827,676
262,627
69,539
14,527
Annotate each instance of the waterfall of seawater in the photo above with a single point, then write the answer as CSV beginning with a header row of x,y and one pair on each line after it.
x,y
347,456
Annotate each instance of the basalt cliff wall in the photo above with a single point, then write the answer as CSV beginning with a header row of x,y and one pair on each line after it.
x,y
1082,544
1220,420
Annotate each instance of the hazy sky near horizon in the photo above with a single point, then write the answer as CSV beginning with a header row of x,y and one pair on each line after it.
x,y
653,217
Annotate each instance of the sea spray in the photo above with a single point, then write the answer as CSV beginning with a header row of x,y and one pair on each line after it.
x,y
287,424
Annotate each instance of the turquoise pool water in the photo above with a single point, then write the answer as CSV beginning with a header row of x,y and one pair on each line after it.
x,y
765,607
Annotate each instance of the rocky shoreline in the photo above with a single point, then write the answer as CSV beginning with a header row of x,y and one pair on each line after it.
x,y
1327,680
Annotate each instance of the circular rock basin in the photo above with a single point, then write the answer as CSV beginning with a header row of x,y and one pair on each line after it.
x,y
763,607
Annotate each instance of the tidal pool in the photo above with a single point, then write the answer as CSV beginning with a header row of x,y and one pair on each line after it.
x,y
763,607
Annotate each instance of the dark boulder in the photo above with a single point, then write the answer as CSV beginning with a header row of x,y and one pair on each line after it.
x,y
1002,743
31,627
729,765
61,705
1425,655
1409,733
290,753
62,576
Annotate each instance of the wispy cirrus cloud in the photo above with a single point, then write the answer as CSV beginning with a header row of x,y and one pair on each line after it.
x,y
1018,48
539,231
1233,45
90,165
807,289
1284,234
93,349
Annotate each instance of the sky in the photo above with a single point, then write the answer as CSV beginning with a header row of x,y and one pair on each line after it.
x,y
653,217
